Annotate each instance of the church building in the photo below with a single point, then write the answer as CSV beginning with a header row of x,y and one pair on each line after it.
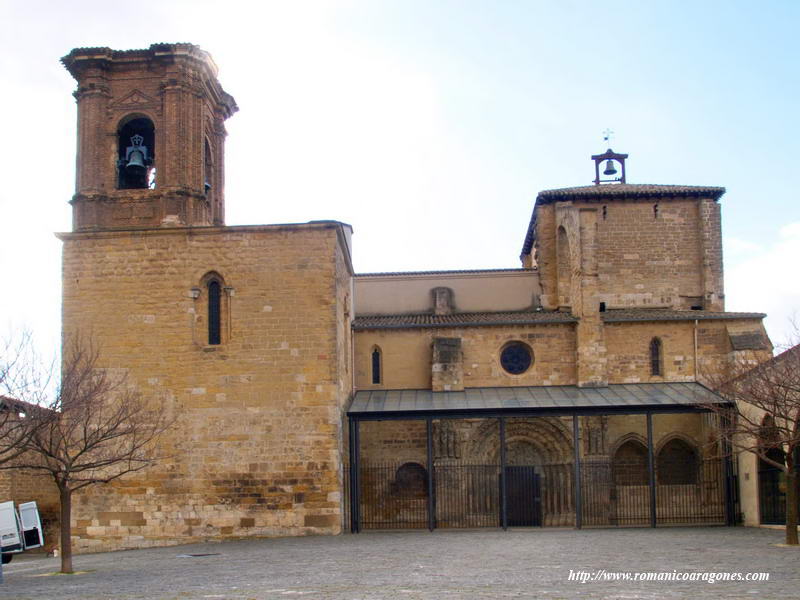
x,y
310,399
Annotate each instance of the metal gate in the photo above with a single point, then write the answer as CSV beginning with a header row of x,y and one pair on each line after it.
x,y
772,482
398,496
771,494
523,497
627,501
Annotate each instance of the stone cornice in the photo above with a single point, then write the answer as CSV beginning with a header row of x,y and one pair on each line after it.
x,y
198,230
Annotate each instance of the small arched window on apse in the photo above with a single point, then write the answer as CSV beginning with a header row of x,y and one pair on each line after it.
x,y
656,358
136,153
376,364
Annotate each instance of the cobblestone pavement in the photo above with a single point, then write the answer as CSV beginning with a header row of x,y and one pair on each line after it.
x,y
519,563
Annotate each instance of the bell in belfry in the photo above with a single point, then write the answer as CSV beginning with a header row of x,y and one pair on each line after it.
x,y
610,168
136,155
135,162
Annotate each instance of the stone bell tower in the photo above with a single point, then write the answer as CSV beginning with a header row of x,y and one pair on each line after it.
x,y
151,138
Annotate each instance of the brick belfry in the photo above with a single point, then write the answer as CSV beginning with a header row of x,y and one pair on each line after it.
x,y
151,137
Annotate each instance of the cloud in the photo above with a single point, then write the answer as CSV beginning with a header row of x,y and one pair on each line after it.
x,y
764,278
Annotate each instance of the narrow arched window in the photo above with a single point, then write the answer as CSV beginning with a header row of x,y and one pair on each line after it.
x,y
376,365
136,153
655,357
214,317
677,463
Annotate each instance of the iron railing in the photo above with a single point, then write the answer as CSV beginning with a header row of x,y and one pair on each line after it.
x,y
471,495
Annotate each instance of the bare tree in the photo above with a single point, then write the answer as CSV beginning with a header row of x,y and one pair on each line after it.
x,y
101,429
24,379
764,417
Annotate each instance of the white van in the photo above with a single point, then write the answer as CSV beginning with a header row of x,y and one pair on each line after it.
x,y
19,530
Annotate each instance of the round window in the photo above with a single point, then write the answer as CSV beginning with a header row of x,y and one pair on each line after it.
x,y
516,358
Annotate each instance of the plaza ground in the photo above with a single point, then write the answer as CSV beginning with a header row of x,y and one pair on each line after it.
x,y
487,563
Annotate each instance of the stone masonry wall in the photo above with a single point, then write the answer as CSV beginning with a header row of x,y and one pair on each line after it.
x,y
256,446
711,251
628,346
476,440
393,442
344,359
650,253
447,368
406,355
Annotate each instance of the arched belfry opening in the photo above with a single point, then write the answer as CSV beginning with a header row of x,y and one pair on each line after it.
x,y
136,154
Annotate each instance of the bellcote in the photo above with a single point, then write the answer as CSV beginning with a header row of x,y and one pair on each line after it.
x,y
151,138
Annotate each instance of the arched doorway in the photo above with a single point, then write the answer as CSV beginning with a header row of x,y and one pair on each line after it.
x,y
771,477
538,468
772,488
523,484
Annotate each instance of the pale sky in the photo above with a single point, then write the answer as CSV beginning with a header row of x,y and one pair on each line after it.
x,y
430,125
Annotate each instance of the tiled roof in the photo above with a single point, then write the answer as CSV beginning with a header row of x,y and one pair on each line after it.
x,y
476,319
781,367
628,190
621,191
792,355
12,404
451,272
658,314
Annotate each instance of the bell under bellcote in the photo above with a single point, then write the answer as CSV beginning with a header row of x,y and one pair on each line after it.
x,y
151,137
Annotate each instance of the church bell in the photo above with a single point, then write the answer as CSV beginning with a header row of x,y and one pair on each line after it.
x,y
136,155
135,162
610,168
